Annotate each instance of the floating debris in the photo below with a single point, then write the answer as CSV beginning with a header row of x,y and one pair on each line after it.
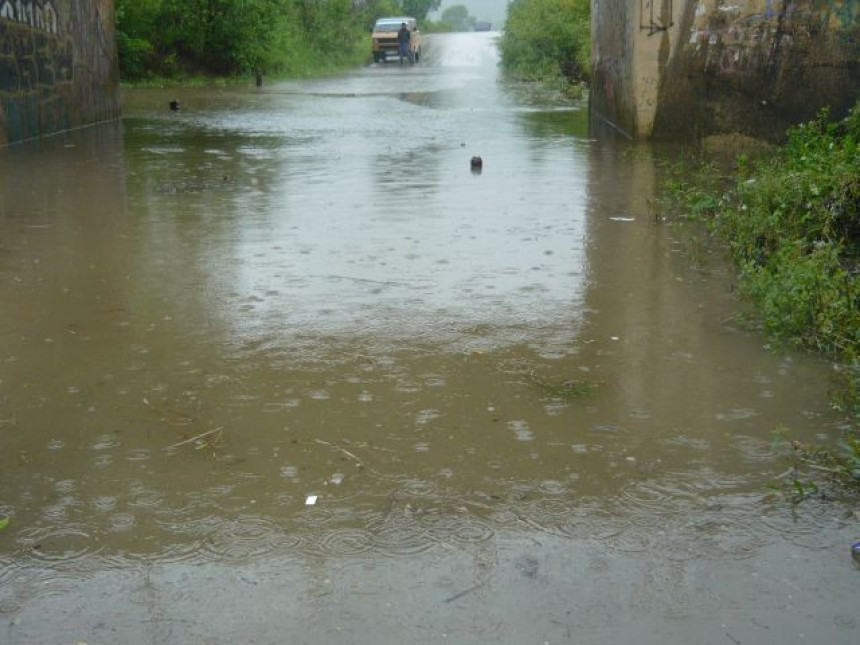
x,y
566,389
528,566
208,438
311,500
336,447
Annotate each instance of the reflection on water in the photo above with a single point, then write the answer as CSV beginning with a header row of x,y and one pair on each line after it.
x,y
489,381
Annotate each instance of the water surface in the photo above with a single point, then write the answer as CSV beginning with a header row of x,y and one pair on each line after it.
x,y
525,409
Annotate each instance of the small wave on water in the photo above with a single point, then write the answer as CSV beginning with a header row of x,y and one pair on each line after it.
x,y
106,442
810,525
345,542
245,538
49,561
57,544
677,518
755,449
457,529
398,534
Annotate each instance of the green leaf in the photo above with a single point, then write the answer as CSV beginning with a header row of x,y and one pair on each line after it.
x,y
4,523
798,487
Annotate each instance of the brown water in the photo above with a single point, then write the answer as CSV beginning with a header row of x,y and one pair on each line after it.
x,y
524,407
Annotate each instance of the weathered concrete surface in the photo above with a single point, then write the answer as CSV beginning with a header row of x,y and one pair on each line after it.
x,y
58,66
681,68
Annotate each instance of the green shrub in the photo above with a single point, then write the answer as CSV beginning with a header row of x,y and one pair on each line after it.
x,y
793,225
808,296
458,17
547,39
170,38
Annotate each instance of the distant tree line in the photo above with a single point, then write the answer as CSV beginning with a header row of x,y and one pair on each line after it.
x,y
175,38
548,39
453,18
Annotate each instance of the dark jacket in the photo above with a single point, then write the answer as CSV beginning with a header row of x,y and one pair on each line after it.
x,y
403,36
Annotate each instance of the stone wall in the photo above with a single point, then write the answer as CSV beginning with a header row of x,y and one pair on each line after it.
x,y
58,66
699,67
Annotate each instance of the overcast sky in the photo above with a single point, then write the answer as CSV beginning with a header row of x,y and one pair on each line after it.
x,y
490,10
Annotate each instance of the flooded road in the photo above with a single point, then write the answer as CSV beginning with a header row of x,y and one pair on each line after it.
x,y
279,368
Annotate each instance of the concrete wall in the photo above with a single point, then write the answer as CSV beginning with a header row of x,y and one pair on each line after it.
x,y
58,66
682,68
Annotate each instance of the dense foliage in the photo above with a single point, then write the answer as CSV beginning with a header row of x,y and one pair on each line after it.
x,y
171,38
453,19
793,225
457,18
547,39
418,8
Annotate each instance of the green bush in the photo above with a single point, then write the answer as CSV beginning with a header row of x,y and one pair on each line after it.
x,y
547,39
169,38
793,225
458,18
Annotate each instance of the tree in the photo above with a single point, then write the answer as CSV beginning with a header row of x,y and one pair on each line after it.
x,y
547,38
419,8
172,38
458,18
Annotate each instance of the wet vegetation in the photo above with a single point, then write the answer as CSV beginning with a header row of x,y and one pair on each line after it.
x,y
566,390
181,39
813,464
791,221
453,19
548,41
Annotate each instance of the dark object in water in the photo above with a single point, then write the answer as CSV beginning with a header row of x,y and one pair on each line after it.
x,y
477,164
528,566
174,105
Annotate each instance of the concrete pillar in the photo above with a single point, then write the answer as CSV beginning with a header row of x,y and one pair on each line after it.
x,y
688,68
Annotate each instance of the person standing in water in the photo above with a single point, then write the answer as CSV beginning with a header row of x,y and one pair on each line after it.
x,y
403,38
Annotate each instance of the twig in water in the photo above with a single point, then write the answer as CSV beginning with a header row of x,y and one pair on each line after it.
x,y
467,591
344,451
365,445
354,279
733,639
195,438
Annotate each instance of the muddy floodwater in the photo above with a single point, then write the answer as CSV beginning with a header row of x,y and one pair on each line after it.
x,y
279,368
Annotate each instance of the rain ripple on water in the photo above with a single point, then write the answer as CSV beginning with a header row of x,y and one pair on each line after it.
x,y
246,537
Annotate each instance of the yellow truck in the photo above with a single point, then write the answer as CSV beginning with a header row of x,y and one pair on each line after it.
x,y
385,38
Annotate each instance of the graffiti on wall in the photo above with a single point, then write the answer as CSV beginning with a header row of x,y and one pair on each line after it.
x,y
33,56
36,70
39,15
739,36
